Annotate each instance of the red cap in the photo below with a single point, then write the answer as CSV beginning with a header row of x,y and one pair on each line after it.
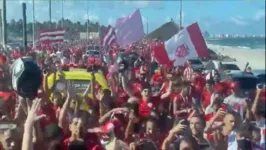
x,y
114,126
137,87
234,85
157,78
218,87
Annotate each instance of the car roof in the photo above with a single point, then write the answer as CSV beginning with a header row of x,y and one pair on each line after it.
x,y
258,72
92,50
241,74
194,59
229,62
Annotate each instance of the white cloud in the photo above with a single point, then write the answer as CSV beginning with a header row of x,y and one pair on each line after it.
x,y
168,19
68,3
58,11
123,15
111,21
238,20
94,18
259,15
137,3
91,16
144,19
141,4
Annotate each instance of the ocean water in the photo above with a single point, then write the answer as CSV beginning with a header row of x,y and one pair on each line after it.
x,y
248,43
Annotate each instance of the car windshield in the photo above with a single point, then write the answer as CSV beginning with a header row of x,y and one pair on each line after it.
x,y
93,53
246,83
90,47
97,47
195,62
230,67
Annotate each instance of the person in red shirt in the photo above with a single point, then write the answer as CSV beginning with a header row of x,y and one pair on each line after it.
x,y
78,133
182,103
206,94
147,102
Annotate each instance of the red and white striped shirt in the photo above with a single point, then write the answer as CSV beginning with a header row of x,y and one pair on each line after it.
x,y
188,73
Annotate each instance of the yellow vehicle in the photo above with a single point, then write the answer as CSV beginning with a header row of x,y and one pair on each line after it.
x,y
80,79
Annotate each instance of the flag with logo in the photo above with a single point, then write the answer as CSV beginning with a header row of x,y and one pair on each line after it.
x,y
186,44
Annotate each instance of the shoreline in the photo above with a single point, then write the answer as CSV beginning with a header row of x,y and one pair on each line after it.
x,y
255,57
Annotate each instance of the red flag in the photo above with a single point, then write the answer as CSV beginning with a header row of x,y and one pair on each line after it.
x,y
160,54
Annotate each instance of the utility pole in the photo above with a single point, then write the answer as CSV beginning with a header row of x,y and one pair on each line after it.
x,y
1,33
147,26
180,24
33,24
50,13
87,21
4,34
62,22
24,27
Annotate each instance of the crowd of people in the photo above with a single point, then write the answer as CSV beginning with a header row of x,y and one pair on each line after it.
x,y
148,106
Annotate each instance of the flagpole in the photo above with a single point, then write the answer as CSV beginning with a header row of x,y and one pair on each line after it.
x,y
50,13
180,24
33,24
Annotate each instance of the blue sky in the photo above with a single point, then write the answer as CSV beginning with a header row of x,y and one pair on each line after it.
x,y
215,16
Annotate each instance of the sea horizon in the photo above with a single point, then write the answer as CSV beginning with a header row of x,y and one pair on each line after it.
x,y
252,43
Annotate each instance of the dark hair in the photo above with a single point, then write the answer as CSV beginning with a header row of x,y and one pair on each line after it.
x,y
191,140
77,145
55,145
255,129
244,130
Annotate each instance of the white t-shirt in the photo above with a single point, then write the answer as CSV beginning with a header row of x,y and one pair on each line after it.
x,y
238,104
59,54
262,125
232,142
64,60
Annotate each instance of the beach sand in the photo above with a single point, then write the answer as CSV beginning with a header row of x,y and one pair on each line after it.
x,y
256,58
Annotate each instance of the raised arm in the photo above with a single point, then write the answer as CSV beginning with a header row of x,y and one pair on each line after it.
x,y
32,118
254,108
63,111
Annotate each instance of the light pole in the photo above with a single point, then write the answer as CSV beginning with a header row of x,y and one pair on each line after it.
x,y
62,23
50,13
180,24
1,31
87,20
33,24
4,36
147,25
